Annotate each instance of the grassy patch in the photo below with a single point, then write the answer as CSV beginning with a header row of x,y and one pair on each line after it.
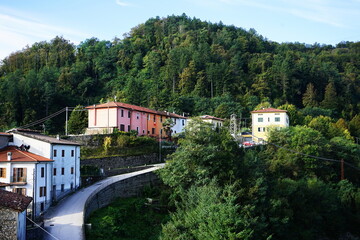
x,y
127,219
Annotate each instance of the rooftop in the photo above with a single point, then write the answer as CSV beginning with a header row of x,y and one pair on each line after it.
x,y
21,156
133,108
268,110
14,201
44,138
211,117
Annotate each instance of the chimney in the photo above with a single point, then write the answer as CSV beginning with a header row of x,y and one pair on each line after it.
x,y
58,137
9,156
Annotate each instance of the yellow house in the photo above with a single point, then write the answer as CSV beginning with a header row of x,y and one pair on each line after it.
x,y
265,119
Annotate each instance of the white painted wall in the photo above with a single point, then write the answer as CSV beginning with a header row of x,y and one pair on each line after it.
x,y
36,146
179,126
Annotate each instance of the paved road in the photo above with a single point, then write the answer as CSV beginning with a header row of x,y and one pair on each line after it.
x,y
65,220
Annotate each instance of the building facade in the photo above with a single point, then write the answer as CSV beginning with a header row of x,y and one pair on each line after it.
x,y
264,120
104,118
13,215
215,121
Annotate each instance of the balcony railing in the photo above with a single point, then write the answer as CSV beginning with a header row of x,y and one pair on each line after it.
x,y
17,179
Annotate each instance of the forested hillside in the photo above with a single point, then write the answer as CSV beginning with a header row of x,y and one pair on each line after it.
x,y
180,64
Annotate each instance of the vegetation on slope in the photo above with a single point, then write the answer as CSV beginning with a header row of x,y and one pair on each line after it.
x,y
181,64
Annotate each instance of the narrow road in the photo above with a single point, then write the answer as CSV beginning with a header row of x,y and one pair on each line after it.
x,y
65,221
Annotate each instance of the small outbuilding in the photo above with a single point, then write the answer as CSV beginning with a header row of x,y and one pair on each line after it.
x,y
13,215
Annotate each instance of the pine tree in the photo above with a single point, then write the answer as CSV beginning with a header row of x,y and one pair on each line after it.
x,y
309,97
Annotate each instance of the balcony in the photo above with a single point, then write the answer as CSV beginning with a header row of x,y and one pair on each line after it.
x,y
16,180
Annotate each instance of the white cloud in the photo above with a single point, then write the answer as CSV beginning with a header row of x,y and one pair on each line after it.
x,y
122,3
18,32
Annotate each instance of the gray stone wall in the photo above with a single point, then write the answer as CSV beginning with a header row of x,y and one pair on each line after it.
x,y
8,224
129,187
108,163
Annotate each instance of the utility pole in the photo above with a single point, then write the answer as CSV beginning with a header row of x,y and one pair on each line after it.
x,y
342,169
233,125
66,121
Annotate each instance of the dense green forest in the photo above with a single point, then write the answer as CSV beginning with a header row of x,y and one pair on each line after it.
x,y
290,188
180,64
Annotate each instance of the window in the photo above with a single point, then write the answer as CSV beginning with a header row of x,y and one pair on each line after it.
x,y
72,186
128,128
42,172
72,170
19,175
122,113
260,119
277,119
268,119
72,153
62,171
42,207
122,127
160,118
148,132
42,191
148,117
143,131
277,113
55,152
21,191
129,114
153,131
2,172
183,122
154,118
137,116
54,171
62,187
137,129
261,129
62,153
174,121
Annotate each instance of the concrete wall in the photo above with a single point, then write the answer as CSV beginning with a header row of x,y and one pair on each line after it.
x,y
129,187
8,224
121,162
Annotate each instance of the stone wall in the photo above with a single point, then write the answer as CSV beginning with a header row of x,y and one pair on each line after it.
x,y
109,163
129,187
8,224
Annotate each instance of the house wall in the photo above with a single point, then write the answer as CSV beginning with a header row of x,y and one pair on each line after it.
x,y
3,141
8,223
268,123
21,227
102,117
138,122
179,126
123,118
152,124
36,146
62,184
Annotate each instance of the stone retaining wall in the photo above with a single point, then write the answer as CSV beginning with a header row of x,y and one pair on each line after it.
x,y
108,163
129,187
8,224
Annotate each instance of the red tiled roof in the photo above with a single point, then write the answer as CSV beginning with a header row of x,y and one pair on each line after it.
x,y
267,110
133,107
21,156
14,201
211,117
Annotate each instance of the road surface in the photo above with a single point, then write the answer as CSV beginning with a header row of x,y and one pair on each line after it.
x,y
65,221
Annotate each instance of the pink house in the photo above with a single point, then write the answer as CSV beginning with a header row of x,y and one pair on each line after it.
x,y
103,118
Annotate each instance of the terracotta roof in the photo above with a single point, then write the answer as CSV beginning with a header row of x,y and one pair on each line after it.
x,y
211,117
21,156
267,110
45,138
14,201
5,134
133,108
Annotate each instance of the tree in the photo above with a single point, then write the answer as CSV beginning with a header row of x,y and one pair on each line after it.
x,y
78,120
202,155
309,97
330,97
354,126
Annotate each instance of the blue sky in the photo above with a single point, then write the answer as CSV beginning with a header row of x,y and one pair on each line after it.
x,y
24,22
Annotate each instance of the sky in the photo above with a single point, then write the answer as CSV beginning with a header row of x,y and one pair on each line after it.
x,y
25,22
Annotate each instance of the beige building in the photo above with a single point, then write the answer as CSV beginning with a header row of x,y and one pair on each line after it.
x,y
266,119
215,121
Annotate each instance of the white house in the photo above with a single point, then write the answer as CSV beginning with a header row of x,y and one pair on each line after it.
x,y
65,169
215,121
264,120
28,174
179,123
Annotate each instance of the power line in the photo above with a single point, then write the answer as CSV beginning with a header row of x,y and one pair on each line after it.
x,y
311,156
42,228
